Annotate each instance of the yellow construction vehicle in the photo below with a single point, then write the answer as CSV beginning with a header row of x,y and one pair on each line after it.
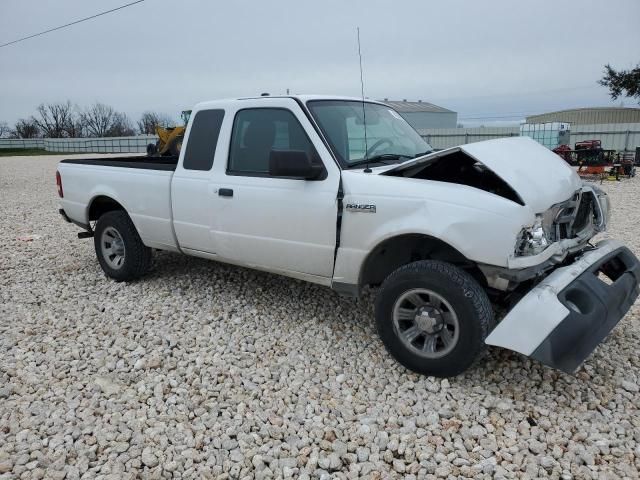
x,y
169,139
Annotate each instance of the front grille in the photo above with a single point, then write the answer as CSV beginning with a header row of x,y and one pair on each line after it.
x,y
584,215
573,216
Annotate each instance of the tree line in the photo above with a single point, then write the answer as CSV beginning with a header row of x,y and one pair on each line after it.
x,y
65,120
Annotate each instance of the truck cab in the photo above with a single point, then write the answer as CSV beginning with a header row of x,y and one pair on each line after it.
x,y
227,199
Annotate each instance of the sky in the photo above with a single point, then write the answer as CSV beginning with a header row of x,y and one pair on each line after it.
x,y
492,61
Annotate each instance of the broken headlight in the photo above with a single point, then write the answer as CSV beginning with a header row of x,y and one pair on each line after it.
x,y
532,240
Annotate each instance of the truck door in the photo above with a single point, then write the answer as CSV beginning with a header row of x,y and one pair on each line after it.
x,y
277,223
191,196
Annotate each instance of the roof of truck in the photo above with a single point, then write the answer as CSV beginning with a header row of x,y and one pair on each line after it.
x,y
302,98
306,97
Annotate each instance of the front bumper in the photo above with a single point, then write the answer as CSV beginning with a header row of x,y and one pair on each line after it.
x,y
567,315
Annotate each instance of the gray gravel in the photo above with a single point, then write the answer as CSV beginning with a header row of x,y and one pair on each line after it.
x,y
203,370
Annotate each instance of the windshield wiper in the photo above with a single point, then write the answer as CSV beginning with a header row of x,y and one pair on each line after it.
x,y
422,154
379,159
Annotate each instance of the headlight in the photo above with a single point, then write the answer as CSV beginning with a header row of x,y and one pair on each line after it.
x,y
605,207
532,240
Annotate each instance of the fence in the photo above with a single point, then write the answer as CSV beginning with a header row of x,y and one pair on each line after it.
x,y
440,138
21,143
623,137
100,145
87,145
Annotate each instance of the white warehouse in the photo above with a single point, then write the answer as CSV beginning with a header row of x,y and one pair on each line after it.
x,y
423,115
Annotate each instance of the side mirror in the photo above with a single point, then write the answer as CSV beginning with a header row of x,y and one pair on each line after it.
x,y
293,164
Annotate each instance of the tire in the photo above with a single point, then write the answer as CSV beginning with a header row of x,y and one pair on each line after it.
x,y
121,253
448,330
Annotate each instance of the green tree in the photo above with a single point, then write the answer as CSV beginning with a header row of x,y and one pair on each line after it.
x,y
622,82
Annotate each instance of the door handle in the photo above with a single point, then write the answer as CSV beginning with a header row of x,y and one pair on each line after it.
x,y
225,192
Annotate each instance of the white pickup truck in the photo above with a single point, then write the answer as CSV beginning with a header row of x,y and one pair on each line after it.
x,y
344,193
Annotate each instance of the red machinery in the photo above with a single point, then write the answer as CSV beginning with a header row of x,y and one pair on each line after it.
x,y
565,152
593,161
591,158
588,145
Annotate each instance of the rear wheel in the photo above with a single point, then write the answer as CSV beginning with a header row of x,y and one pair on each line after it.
x,y
433,317
119,249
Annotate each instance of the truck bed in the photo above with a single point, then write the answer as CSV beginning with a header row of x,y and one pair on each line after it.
x,y
140,184
142,161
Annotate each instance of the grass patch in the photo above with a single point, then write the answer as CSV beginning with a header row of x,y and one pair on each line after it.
x,y
16,152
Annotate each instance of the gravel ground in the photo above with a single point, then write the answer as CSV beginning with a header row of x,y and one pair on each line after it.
x,y
203,370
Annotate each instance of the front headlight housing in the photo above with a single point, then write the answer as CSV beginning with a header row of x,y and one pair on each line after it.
x,y
532,240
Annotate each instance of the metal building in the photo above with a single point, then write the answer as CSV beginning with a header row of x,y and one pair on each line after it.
x,y
423,115
589,116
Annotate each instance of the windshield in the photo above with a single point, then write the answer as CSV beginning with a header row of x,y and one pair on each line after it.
x,y
389,136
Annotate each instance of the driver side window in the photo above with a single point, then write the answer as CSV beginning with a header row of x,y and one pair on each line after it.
x,y
258,131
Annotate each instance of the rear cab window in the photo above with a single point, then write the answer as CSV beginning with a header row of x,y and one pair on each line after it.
x,y
202,141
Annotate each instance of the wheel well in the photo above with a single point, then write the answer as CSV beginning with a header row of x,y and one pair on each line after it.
x,y
395,252
101,205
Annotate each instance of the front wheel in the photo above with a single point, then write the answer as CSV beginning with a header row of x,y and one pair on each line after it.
x,y
433,317
119,249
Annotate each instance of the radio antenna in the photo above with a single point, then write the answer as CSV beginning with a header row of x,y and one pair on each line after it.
x,y
364,113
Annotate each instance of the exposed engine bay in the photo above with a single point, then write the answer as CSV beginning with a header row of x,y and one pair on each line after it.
x,y
458,167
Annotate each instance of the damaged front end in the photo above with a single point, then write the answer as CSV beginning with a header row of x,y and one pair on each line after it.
x,y
565,213
564,294
577,293
577,219
561,320
556,236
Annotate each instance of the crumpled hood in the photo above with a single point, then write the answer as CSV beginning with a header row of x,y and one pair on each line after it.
x,y
539,176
